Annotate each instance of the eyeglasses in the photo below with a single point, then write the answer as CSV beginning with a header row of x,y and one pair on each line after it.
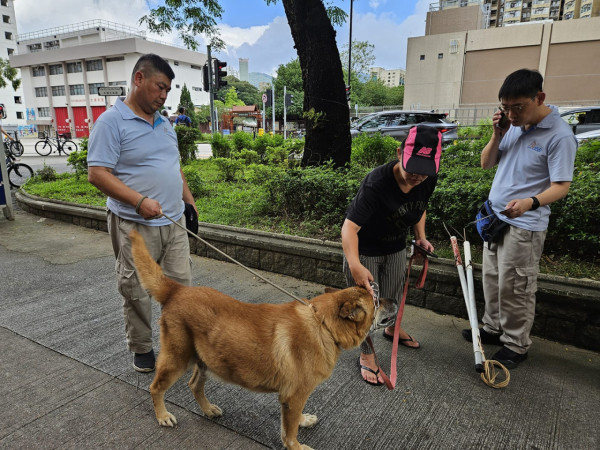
x,y
514,108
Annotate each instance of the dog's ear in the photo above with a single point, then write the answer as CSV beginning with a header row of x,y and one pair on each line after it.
x,y
330,290
352,311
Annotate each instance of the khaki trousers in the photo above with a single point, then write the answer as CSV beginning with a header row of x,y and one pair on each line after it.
x,y
169,246
510,270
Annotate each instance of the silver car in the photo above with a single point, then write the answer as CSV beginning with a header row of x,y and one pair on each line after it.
x,y
583,119
397,123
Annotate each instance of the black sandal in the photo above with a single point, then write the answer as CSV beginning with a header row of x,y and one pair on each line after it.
x,y
368,369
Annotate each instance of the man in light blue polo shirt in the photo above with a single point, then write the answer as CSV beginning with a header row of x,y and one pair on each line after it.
x,y
535,153
133,158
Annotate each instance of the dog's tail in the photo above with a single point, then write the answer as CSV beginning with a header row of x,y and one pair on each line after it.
x,y
149,272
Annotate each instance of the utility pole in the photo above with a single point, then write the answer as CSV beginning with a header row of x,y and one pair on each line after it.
x,y
350,53
284,113
210,92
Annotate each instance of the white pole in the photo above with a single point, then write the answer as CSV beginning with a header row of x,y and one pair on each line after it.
x,y
273,108
472,309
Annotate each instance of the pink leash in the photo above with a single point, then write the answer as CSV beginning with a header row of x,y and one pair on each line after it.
x,y
390,381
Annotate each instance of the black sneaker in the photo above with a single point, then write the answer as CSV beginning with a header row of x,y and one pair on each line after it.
x,y
144,362
486,338
508,358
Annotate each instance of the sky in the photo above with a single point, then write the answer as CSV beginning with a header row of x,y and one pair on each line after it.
x,y
250,28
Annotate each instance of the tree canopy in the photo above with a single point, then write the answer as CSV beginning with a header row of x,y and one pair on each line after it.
x,y
8,74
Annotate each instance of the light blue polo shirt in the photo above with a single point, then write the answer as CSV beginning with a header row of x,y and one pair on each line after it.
x,y
142,156
529,161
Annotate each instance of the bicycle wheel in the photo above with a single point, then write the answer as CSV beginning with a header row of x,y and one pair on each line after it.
x,y
16,148
69,147
43,148
18,174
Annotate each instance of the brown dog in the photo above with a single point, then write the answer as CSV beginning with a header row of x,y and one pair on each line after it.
x,y
287,348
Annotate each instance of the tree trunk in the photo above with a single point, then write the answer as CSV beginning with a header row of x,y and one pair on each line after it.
x,y
327,122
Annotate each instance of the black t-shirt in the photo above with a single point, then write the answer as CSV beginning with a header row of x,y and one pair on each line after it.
x,y
385,213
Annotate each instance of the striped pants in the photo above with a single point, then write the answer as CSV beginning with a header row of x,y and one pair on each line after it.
x,y
388,271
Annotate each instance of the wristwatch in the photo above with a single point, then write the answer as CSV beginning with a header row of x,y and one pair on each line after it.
x,y
536,203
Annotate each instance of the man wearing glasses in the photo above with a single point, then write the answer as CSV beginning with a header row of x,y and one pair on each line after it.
x,y
535,152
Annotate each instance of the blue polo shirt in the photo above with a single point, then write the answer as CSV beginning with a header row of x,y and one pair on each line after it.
x,y
529,161
143,156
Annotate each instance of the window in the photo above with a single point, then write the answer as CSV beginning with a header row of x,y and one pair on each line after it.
x,y
41,92
20,115
55,69
93,64
440,56
422,57
5,19
8,35
116,58
117,83
94,87
196,67
196,88
176,63
74,67
176,86
4,2
76,89
10,51
43,112
58,91
38,71
35,47
18,99
52,44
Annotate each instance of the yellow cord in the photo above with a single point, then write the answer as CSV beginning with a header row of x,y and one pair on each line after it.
x,y
490,374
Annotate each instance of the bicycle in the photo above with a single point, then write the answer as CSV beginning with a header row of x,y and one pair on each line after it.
x,y
59,143
18,173
14,146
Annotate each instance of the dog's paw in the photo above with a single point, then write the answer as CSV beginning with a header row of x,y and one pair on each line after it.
x,y
212,411
168,420
308,420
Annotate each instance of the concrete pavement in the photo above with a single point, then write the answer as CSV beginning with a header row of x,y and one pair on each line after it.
x,y
67,379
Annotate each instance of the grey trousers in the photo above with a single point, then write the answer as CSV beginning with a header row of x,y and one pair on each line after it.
x,y
510,270
169,246
388,271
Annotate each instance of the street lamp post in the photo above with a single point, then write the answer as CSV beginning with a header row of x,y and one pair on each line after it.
x,y
350,49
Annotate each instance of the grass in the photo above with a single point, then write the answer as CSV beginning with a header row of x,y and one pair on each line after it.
x,y
245,205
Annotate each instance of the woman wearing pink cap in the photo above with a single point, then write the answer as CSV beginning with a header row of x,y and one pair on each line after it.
x,y
391,199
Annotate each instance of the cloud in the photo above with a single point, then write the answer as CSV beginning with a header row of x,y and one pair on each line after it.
x,y
236,36
390,39
273,47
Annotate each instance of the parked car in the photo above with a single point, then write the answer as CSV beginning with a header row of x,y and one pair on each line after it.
x,y
583,137
397,123
583,119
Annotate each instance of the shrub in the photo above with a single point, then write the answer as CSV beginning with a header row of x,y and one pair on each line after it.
x,y
46,173
373,151
186,141
195,183
78,160
229,169
247,156
220,146
241,140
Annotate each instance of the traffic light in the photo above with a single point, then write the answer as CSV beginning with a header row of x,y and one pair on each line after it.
x,y
2,111
289,99
348,92
206,86
269,101
219,74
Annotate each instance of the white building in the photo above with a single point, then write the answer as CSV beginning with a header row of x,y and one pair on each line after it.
x,y
390,78
16,113
63,67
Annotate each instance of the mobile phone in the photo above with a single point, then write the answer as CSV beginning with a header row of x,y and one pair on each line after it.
x,y
503,123
505,212
427,252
